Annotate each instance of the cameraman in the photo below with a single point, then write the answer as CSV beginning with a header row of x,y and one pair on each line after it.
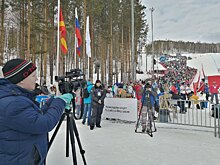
x,y
23,125
98,95
148,103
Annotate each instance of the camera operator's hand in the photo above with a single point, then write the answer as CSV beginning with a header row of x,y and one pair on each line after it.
x,y
67,106
67,97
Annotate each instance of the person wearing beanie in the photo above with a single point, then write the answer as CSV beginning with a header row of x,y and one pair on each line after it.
x,y
98,94
148,108
23,125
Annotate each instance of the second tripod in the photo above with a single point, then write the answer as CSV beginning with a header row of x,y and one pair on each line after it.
x,y
151,127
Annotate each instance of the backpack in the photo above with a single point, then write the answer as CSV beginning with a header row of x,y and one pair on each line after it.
x,y
86,92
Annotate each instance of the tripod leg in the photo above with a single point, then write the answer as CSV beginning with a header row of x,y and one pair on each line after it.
x,y
70,130
56,130
150,120
139,116
67,135
74,128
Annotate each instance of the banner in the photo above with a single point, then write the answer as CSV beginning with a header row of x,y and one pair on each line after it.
x,y
120,108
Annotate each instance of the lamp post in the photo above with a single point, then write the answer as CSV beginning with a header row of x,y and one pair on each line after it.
x,y
152,10
146,50
133,63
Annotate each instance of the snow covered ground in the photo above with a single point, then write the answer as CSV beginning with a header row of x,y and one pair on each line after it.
x,y
118,144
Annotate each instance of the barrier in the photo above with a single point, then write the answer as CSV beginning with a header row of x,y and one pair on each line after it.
x,y
120,108
216,115
190,112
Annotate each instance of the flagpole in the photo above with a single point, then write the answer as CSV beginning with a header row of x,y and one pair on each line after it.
x,y
88,41
58,38
87,22
75,37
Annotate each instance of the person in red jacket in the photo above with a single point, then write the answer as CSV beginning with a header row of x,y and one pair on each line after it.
x,y
138,88
214,92
173,89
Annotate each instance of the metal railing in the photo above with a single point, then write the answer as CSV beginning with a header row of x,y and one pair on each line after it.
x,y
216,115
190,112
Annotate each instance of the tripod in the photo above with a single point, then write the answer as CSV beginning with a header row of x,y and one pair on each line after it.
x,y
150,115
70,130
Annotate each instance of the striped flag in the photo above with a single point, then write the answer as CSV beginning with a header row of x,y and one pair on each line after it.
x,y
78,36
63,34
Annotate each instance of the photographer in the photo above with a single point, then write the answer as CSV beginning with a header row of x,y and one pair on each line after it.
x,y
98,95
148,103
23,125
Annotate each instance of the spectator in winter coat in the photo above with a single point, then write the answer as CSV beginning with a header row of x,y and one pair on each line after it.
x,y
173,89
183,95
202,100
138,92
130,89
87,105
206,90
115,89
214,92
98,95
188,94
23,125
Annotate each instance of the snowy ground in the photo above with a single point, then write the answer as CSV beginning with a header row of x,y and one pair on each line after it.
x,y
118,144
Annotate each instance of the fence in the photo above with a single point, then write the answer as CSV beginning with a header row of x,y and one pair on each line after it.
x,y
190,112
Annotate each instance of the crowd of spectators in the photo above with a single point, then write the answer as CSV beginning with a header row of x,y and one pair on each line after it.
x,y
178,71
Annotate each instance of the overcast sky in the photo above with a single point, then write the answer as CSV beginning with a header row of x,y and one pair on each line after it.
x,y
186,20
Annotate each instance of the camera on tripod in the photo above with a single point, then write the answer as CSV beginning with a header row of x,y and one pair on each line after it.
x,y
71,81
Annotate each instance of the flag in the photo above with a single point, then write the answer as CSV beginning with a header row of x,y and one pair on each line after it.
x,y
63,34
88,41
202,83
78,36
203,72
196,84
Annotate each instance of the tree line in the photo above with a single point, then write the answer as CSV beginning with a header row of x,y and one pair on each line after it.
x,y
29,30
169,46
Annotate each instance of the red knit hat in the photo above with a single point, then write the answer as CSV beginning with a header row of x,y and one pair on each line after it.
x,y
17,70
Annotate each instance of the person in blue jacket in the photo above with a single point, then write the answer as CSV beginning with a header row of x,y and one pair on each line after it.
x,y
148,107
23,125
87,105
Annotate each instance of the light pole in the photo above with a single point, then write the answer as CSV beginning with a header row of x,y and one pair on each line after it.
x,y
133,63
146,50
152,10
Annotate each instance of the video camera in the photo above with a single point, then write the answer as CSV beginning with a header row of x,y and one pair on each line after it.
x,y
70,81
